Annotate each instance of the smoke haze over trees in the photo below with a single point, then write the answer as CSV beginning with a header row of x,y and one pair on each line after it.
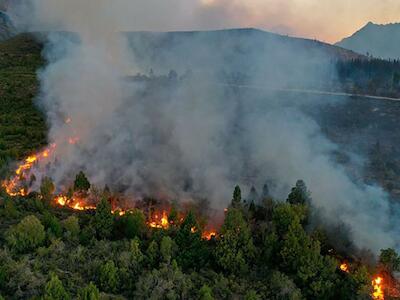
x,y
188,139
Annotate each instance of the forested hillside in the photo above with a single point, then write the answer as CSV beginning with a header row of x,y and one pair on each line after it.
x,y
259,247
22,125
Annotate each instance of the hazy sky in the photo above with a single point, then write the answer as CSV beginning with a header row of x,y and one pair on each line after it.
x,y
327,20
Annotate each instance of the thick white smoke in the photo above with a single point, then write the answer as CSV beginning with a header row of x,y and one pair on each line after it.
x,y
185,141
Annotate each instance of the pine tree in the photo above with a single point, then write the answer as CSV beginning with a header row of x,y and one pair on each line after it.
x,y
54,290
192,253
237,197
81,183
299,194
103,219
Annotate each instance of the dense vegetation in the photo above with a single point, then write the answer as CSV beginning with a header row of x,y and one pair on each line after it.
x,y
22,126
264,250
370,76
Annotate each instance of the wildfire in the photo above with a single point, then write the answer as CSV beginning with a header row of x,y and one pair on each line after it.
x,y
344,267
160,223
13,186
18,185
377,284
61,200
208,235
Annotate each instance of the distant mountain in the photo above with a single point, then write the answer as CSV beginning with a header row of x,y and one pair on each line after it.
x,y
381,41
260,55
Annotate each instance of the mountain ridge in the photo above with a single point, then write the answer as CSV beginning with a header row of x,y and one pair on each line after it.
x,y
377,40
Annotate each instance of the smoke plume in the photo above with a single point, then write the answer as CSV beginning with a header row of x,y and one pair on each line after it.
x,y
191,138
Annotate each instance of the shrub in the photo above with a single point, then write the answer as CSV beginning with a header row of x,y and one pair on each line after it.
x,y
27,235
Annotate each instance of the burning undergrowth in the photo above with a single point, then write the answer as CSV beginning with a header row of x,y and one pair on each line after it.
x,y
81,196
183,139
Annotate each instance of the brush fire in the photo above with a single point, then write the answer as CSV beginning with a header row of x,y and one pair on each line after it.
x,y
377,283
20,185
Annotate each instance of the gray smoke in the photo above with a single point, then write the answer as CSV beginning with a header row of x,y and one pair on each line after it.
x,y
192,138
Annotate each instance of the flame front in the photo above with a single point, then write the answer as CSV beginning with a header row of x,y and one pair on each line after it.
x,y
18,185
14,186
377,285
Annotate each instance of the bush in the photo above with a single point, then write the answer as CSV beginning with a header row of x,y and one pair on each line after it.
x,y
71,225
27,235
90,292
54,290
108,277
52,224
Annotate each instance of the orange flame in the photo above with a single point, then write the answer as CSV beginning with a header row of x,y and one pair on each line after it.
x,y
377,284
61,200
208,235
16,186
156,222
13,186
344,267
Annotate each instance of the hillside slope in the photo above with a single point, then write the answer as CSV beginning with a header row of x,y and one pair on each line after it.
x,y
255,54
381,41
22,126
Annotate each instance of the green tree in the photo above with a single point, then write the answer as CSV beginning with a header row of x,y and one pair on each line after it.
x,y
168,282
47,189
283,288
285,214
192,252
390,260
299,194
166,249
52,224
108,277
134,224
235,249
9,210
206,293
26,235
137,256
81,183
301,257
103,219
152,254
89,292
54,289
252,295
237,197
71,226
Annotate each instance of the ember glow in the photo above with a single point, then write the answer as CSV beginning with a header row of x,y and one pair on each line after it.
x,y
208,235
344,267
377,284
